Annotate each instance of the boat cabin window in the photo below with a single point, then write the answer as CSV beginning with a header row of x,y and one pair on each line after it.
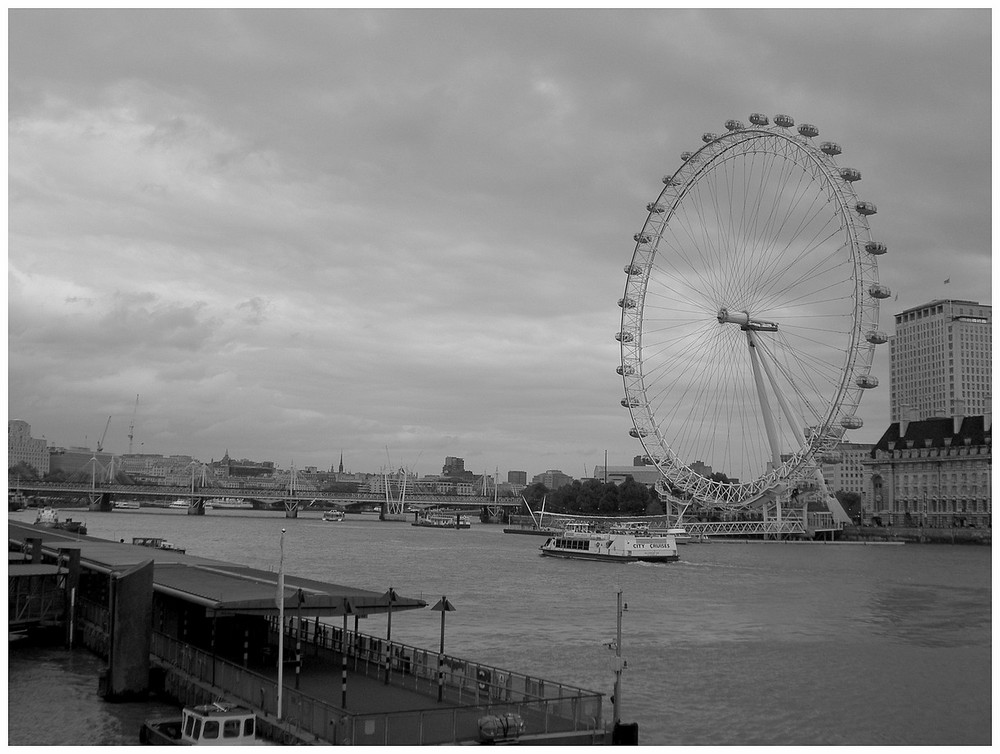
x,y
231,729
188,726
196,733
248,727
211,729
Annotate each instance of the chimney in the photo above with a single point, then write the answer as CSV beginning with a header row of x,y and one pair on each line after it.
x,y
906,416
958,416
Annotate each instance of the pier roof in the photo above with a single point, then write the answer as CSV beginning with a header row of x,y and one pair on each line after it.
x,y
222,588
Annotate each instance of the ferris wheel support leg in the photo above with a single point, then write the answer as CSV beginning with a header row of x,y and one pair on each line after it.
x,y
765,404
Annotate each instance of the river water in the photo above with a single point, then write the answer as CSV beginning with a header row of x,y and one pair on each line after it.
x,y
735,644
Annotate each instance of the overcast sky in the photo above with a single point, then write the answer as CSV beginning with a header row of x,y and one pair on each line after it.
x,y
400,234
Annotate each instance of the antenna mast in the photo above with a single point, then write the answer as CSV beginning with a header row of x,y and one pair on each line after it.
x,y
131,426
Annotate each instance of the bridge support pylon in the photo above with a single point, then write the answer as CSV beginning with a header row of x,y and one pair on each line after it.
x,y
291,509
99,502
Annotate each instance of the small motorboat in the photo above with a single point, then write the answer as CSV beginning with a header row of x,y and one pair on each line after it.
x,y
216,724
333,515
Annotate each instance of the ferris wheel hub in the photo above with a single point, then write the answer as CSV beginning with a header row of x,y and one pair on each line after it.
x,y
745,322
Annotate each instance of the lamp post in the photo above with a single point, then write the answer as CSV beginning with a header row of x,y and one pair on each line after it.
x,y
391,599
443,606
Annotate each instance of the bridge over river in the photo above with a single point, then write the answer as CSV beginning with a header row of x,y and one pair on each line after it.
x,y
102,496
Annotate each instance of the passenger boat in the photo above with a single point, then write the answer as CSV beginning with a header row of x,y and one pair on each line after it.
x,y
229,502
180,503
157,543
130,505
216,724
681,535
621,543
439,520
48,518
333,515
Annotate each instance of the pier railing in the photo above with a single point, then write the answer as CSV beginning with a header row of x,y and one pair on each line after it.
x,y
470,690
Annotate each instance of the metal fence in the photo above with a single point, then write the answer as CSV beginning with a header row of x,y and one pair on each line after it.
x,y
471,690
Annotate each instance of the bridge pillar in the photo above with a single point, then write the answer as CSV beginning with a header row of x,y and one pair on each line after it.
x,y
196,508
291,509
100,502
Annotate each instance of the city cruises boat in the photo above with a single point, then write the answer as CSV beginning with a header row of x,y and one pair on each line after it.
x,y
130,505
621,543
216,724
157,543
439,520
333,515
179,503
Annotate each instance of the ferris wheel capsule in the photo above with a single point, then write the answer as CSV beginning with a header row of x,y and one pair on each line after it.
x,y
685,156
734,125
785,121
626,370
633,269
831,148
626,303
669,180
876,337
808,130
866,381
865,208
852,422
878,290
624,336
641,238
759,119
637,433
708,136
850,174
876,248
630,402
654,208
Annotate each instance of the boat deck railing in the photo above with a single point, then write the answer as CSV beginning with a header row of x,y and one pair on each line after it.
x,y
469,691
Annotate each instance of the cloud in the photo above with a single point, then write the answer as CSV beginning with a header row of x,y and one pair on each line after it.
x,y
302,232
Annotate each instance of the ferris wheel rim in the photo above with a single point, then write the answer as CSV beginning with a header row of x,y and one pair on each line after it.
x,y
777,142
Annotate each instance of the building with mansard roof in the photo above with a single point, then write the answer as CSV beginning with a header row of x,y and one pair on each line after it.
x,y
934,472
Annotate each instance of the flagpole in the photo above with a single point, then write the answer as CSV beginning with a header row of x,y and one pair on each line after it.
x,y
281,620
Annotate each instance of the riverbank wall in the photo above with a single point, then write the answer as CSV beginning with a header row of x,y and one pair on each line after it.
x,y
917,535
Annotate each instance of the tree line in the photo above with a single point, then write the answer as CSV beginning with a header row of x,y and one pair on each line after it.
x,y
595,498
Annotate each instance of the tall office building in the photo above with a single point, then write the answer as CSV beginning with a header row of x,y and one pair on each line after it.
x,y
23,448
940,361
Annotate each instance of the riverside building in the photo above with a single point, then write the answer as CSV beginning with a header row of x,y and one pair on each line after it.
x,y
935,472
23,448
941,360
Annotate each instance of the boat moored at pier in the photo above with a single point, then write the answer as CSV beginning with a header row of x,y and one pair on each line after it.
x,y
333,515
216,724
581,541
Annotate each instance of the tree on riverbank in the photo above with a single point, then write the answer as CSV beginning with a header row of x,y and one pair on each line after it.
x,y
594,498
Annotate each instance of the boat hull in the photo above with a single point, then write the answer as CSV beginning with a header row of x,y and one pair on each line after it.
x,y
611,558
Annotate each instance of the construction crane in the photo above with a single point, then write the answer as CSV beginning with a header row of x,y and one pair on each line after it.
x,y
131,426
100,443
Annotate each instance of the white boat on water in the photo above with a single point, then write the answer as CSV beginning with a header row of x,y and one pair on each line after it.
x,y
333,515
129,505
236,503
439,520
216,724
180,503
681,535
580,540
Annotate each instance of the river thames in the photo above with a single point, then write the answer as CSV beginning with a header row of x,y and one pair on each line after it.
x,y
735,644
